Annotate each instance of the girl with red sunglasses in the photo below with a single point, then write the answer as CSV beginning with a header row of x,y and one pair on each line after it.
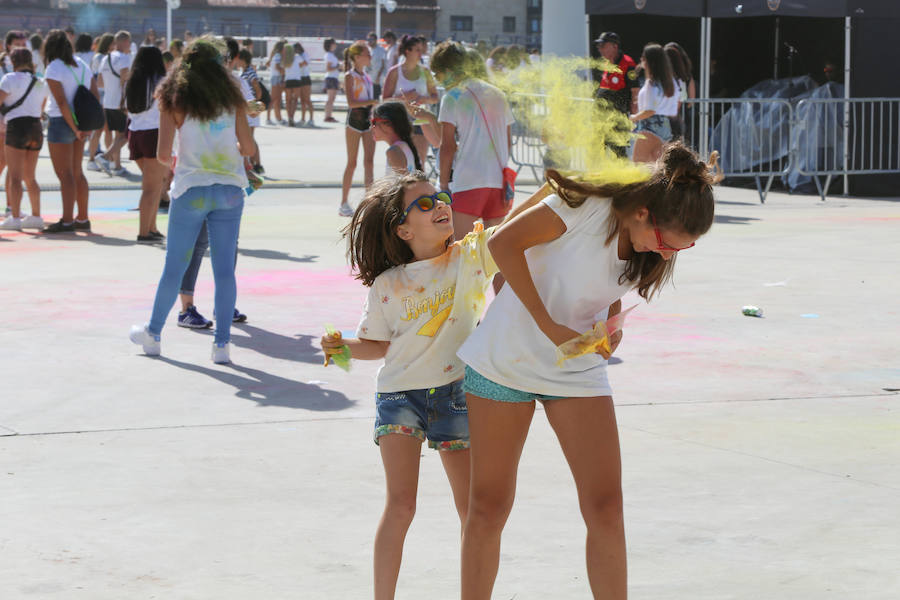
x,y
567,263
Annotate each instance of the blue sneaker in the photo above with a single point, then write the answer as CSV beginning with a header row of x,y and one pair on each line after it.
x,y
193,319
238,317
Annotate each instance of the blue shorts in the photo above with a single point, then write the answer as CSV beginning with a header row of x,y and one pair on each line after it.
x,y
332,83
478,385
658,125
437,414
59,132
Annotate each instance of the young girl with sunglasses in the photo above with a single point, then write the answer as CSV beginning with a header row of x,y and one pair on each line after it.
x,y
567,263
426,296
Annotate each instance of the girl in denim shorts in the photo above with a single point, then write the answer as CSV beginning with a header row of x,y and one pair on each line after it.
x,y
426,294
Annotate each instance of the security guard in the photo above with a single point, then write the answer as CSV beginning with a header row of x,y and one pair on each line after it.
x,y
620,87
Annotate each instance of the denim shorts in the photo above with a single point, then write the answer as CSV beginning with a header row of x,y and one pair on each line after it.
x,y
437,414
478,385
658,125
59,132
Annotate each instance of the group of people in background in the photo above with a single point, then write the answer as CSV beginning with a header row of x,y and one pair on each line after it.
x,y
650,92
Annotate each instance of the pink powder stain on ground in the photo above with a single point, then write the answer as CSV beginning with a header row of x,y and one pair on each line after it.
x,y
299,282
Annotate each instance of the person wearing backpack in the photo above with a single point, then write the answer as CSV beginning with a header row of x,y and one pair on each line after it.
x,y
22,95
114,71
65,74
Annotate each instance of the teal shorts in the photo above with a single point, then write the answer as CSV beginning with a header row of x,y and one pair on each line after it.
x,y
478,385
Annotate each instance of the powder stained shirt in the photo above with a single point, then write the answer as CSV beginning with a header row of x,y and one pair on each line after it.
x,y
426,310
577,277
483,148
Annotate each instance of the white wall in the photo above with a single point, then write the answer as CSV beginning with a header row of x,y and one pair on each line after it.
x,y
565,28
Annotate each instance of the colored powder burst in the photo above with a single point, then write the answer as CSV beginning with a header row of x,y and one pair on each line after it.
x,y
556,102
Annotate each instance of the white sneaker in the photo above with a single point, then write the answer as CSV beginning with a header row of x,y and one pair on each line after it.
x,y
103,164
310,123
141,336
345,211
11,223
32,222
121,172
92,166
221,353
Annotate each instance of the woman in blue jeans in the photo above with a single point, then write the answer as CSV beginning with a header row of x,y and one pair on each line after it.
x,y
201,104
189,316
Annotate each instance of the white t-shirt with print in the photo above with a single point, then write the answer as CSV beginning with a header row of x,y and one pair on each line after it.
x,y
475,164
112,85
332,66
70,78
426,309
15,84
576,276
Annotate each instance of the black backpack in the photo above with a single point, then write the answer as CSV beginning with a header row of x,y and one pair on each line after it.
x,y
86,109
264,96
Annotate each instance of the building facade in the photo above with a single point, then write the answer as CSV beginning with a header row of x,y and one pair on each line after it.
x,y
497,22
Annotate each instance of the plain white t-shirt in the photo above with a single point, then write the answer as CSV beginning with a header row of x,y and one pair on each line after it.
x,y
70,78
576,276
112,85
426,309
377,69
15,85
476,164
292,71
652,97
304,69
332,66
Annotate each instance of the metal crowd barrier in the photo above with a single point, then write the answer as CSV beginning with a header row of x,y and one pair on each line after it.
x,y
868,128
764,138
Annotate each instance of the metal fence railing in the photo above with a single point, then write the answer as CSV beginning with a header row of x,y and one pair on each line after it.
x,y
763,138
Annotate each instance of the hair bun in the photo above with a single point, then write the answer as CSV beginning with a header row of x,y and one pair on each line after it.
x,y
682,165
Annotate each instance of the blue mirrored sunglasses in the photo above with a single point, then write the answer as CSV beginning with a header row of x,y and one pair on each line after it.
x,y
427,203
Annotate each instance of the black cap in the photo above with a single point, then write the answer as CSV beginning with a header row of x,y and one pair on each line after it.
x,y
609,36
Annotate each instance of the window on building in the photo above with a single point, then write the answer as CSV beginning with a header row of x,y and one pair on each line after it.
x,y
509,24
534,3
460,23
534,26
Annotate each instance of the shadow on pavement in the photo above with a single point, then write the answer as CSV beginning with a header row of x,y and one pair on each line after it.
x,y
96,238
271,390
297,348
276,255
729,220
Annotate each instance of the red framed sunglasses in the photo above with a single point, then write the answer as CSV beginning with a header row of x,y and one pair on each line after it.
x,y
660,244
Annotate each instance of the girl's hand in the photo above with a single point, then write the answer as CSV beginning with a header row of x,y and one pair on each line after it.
x,y
559,334
82,135
332,344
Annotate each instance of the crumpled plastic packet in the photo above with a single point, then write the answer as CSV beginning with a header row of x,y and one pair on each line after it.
x,y
592,341
343,359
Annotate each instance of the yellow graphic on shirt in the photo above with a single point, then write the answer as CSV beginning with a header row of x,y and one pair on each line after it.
x,y
438,306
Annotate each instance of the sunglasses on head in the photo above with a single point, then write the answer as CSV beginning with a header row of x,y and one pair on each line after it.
x,y
660,245
427,203
380,120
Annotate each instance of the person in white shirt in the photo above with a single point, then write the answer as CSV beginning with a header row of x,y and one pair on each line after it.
x,y
65,74
22,95
391,51
276,81
567,262
114,72
332,72
14,39
426,295
104,45
657,101
478,115
147,71
378,67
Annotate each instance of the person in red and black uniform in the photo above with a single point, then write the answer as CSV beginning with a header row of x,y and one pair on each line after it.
x,y
619,88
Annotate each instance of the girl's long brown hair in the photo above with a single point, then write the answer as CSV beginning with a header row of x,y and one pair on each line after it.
x,y
200,86
373,245
678,194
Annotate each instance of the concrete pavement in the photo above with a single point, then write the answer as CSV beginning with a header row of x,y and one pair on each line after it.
x,y
760,456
